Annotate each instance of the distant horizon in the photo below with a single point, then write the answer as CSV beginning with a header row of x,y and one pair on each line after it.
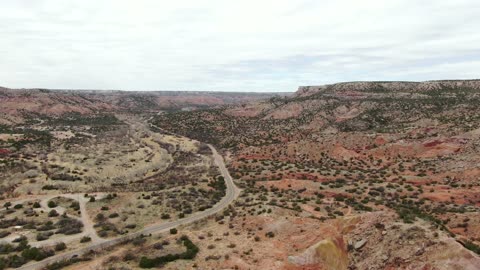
x,y
232,91
254,46
129,90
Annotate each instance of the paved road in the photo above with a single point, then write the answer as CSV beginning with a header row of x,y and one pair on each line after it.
x,y
231,194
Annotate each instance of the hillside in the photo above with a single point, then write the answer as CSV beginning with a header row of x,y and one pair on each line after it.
x,y
408,149
364,175
18,103
389,87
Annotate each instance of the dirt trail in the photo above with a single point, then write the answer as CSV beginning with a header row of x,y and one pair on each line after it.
x,y
88,229
232,193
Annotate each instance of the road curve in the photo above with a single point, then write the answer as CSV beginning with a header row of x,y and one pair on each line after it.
x,y
231,194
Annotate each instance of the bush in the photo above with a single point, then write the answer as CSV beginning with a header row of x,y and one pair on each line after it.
x,y
129,257
69,226
52,204
158,246
75,205
36,254
85,239
139,241
6,248
60,246
7,204
100,217
17,261
471,246
4,234
53,213
49,187
62,264
173,231
130,226
43,236
189,254
22,238
3,263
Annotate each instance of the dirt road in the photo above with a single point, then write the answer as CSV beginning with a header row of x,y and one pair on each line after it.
x,y
231,194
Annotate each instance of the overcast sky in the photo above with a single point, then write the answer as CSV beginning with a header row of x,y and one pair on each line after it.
x,y
234,45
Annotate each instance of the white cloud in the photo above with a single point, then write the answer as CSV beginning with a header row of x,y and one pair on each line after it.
x,y
234,45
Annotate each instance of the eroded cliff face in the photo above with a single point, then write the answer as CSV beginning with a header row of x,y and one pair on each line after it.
x,y
376,241
411,87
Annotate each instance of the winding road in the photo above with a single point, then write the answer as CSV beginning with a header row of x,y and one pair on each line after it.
x,y
231,194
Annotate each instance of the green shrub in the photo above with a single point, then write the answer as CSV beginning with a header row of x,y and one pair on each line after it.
x,y
85,239
7,204
60,246
36,254
52,204
189,254
471,246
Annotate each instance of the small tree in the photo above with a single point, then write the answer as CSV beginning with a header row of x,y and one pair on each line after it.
x,y
85,239
52,204
7,205
53,213
100,217
173,231
60,246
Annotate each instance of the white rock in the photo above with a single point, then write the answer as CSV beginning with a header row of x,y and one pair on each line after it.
x,y
360,244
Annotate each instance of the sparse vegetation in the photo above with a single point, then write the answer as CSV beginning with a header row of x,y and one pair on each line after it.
x,y
190,253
